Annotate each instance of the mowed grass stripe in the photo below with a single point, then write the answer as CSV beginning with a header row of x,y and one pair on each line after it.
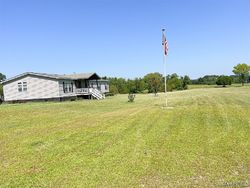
x,y
203,141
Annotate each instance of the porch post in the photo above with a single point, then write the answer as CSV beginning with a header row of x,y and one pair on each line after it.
x,y
96,84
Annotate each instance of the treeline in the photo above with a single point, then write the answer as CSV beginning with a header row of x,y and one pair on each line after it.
x,y
241,72
212,79
150,83
154,82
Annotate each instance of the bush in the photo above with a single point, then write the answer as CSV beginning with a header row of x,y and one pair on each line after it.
x,y
224,80
113,89
145,91
109,94
131,97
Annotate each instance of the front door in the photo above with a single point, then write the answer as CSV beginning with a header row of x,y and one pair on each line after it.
x,y
78,83
86,83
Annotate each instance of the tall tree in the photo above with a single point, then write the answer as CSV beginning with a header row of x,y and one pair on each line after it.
x,y
140,85
174,83
185,81
131,86
153,81
113,89
118,85
242,70
2,77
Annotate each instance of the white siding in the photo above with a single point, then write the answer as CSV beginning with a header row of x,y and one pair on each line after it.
x,y
103,88
37,88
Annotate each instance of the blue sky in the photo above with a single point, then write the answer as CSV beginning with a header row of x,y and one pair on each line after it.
x,y
123,37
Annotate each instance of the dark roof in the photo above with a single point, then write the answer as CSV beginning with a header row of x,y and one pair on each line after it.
x,y
56,76
83,76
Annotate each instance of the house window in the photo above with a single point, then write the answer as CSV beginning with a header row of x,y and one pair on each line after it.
x,y
67,87
106,87
22,86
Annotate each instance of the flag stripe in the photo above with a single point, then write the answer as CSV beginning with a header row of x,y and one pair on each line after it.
x,y
164,44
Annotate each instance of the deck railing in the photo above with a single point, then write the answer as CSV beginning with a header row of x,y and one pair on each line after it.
x,y
90,91
82,90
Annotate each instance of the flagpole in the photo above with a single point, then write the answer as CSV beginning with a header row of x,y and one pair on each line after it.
x,y
165,73
165,78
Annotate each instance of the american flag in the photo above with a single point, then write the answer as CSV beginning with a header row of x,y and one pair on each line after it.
x,y
164,44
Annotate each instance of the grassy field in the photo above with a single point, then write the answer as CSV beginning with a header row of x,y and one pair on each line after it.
x,y
204,141
198,86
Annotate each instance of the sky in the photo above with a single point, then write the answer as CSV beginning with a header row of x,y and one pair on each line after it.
x,y
122,38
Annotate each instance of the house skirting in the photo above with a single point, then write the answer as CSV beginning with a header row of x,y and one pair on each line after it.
x,y
58,99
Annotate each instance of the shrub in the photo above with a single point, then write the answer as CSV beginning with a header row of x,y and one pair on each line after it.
x,y
131,97
145,91
224,80
185,87
109,94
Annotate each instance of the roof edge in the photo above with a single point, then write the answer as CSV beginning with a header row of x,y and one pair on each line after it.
x,y
51,76
26,74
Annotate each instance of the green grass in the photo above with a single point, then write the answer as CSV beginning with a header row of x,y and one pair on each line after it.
x,y
204,141
198,86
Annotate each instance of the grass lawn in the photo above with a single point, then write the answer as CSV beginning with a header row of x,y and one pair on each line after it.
x,y
198,86
204,141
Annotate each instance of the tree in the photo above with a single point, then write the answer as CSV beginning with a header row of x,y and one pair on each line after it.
x,y
2,77
119,83
208,79
113,89
154,81
224,80
131,86
139,85
174,83
235,79
242,70
122,85
185,81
